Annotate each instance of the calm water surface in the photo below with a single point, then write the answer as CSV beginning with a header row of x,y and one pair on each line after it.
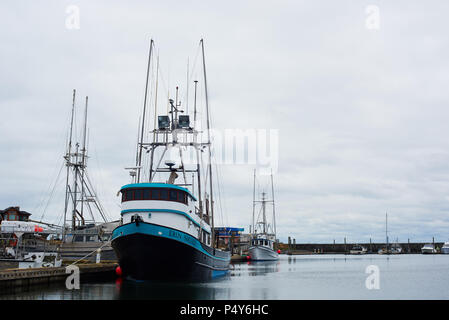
x,y
292,277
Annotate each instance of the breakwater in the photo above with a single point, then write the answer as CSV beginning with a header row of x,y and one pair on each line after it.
x,y
342,248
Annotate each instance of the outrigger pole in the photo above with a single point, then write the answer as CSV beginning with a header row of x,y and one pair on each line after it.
x,y
209,143
144,112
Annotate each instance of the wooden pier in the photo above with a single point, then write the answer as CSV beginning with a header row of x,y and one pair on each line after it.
x,y
12,279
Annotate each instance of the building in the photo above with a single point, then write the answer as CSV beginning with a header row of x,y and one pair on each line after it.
x,y
227,235
14,214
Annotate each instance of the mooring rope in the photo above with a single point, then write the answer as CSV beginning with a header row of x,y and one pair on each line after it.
x,y
108,242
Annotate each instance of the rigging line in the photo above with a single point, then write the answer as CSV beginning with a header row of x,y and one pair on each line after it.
x,y
64,142
91,190
100,174
219,193
52,191
190,74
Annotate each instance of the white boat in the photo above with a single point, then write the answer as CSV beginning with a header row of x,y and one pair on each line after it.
x,y
264,234
262,250
428,249
40,260
396,248
357,249
445,248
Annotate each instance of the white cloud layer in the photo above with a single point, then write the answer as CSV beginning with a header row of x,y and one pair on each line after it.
x,y
362,114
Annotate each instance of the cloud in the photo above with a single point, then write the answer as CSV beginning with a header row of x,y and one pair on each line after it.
x,y
361,114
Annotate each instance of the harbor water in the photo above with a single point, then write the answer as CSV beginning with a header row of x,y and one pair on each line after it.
x,y
291,277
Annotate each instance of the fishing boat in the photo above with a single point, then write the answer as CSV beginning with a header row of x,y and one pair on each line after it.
x,y
86,231
167,226
358,249
428,248
263,237
445,248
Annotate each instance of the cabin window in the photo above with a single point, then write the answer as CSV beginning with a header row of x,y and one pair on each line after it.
x,y
138,194
266,242
164,194
129,195
155,194
208,239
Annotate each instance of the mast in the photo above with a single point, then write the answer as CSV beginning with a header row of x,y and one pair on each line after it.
x,y
79,189
67,157
254,200
274,211
144,112
386,229
155,116
264,217
208,141
83,157
197,156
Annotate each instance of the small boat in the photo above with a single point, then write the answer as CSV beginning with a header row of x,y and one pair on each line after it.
x,y
445,248
396,248
264,235
357,249
428,249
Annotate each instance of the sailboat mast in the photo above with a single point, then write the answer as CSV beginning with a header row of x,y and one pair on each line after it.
x,y
209,143
386,229
144,112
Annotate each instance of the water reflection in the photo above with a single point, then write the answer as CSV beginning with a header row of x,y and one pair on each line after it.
x,y
292,277
163,290
259,268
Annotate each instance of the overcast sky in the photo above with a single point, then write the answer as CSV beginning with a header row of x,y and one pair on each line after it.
x,y
358,91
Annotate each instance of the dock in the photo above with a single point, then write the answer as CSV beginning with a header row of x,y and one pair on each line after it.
x,y
12,279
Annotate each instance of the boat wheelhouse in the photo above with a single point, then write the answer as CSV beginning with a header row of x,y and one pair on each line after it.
x,y
165,205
